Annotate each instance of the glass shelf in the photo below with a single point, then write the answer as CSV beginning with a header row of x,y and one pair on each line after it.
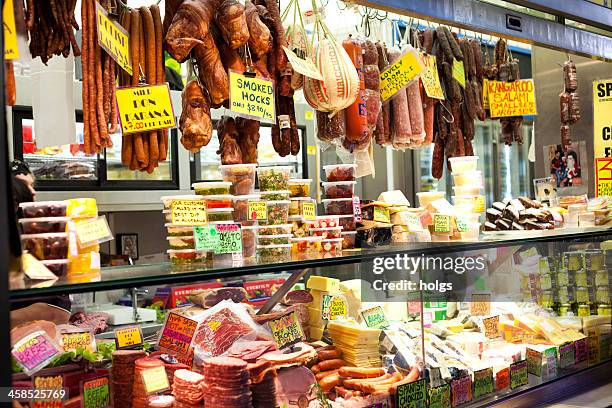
x,y
165,273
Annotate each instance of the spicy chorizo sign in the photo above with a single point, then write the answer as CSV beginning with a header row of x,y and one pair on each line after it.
x,y
511,98
144,108
113,39
252,98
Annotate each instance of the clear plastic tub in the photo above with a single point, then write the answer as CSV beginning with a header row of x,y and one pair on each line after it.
x,y
427,197
300,187
274,252
218,201
348,239
472,233
179,230
186,256
468,178
326,233
240,204
167,215
340,172
339,189
46,246
467,190
43,225
305,245
274,239
58,266
325,221
278,212
41,209
274,229
208,188
295,206
167,200
185,242
274,178
338,206
241,177
463,163
220,214
468,204
332,245
275,195
347,222
249,240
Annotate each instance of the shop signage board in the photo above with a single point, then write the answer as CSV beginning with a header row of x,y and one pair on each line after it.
x,y
155,379
534,362
375,318
603,176
511,98
70,340
257,210
304,66
602,127
483,382
252,97
177,333
286,330
461,390
189,212
114,39
518,374
34,351
11,48
430,78
128,337
412,395
440,397
96,392
399,74
94,231
459,72
145,108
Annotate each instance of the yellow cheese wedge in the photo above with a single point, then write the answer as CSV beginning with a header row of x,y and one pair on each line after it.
x,y
317,297
323,283
592,321
316,333
314,318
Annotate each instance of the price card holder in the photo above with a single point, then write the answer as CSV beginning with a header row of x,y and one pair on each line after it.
x,y
252,98
177,333
70,340
412,395
440,397
128,337
286,330
381,214
96,392
459,72
375,318
145,108
257,210
113,38
155,379
430,78
357,208
442,223
189,212
399,74
11,48
518,374
483,382
94,231
309,211
34,351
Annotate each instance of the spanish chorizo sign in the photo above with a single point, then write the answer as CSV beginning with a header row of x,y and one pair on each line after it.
x,y
511,98
144,108
252,97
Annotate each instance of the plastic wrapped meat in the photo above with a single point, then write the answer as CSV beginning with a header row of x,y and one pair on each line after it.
x,y
219,330
210,297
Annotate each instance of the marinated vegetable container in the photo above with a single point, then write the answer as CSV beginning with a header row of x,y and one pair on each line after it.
x,y
300,187
186,256
340,172
304,245
338,206
273,239
326,233
274,178
274,229
275,195
220,214
249,240
41,209
325,221
331,245
43,225
179,230
466,190
295,207
347,222
58,266
278,212
240,204
339,189
186,242
467,178
463,163
348,239
240,176
46,246
274,252
207,188
218,201
167,200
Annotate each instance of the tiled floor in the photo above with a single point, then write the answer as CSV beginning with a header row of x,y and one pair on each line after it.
x,y
600,397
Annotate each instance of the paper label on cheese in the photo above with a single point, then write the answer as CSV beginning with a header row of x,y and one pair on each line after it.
x,y
381,214
442,223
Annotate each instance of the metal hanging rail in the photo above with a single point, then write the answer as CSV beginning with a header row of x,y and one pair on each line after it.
x,y
499,21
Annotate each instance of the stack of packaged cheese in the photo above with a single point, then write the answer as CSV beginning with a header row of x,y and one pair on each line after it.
x,y
359,344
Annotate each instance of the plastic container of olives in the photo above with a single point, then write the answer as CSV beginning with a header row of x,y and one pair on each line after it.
x,y
43,225
41,209
46,246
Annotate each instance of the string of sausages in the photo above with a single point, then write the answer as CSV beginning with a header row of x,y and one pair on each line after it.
x,y
10,90
51,24
143,151
569,102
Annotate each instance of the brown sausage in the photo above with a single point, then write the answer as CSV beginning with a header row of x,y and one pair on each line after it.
x,y
357,372
329,382
415,107
104,139
412,376
321,375
127,145
149,45
85,69
135,45
353,383
91,78
329,354
437,158
113,100
327,365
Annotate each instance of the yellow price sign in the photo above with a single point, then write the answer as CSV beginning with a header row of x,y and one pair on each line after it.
x,y
189,212
71,340
382,214
511,98
430,78
113,39
485,93
128,337
399,74
252,97
286,330
144,108
309,211
155,379
93,231
479,204
11,49
258,210
459,72
442,223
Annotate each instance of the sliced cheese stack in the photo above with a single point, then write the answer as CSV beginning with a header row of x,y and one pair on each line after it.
x,y
359,344
320,286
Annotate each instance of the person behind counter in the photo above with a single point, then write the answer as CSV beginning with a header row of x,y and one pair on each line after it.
x,y
55,309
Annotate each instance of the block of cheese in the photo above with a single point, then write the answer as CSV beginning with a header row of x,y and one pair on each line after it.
x,y
569,322
394,197
317,297
323,283
573,335
525,322
316,333
441,206
591,321
315,319
551,332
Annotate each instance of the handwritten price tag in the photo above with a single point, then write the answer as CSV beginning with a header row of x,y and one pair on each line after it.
x,y
93,231
518,374
483,382
491,327
551,362
11,49
257,210
96,392
399,74
534,362
375,317
71,340
382,214
502,379
582,350
177,333
128,337
303,66
113,39
357,208
252,98
143,108
286,330
442,223
333,307
594,354
459,72
309,211
567,356
440,397
230,239
34,351
480,304
511,98
189,212
412,395
430,78
461,390
155,379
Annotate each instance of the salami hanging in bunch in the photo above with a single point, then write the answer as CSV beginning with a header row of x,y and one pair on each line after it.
x,y
569,102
